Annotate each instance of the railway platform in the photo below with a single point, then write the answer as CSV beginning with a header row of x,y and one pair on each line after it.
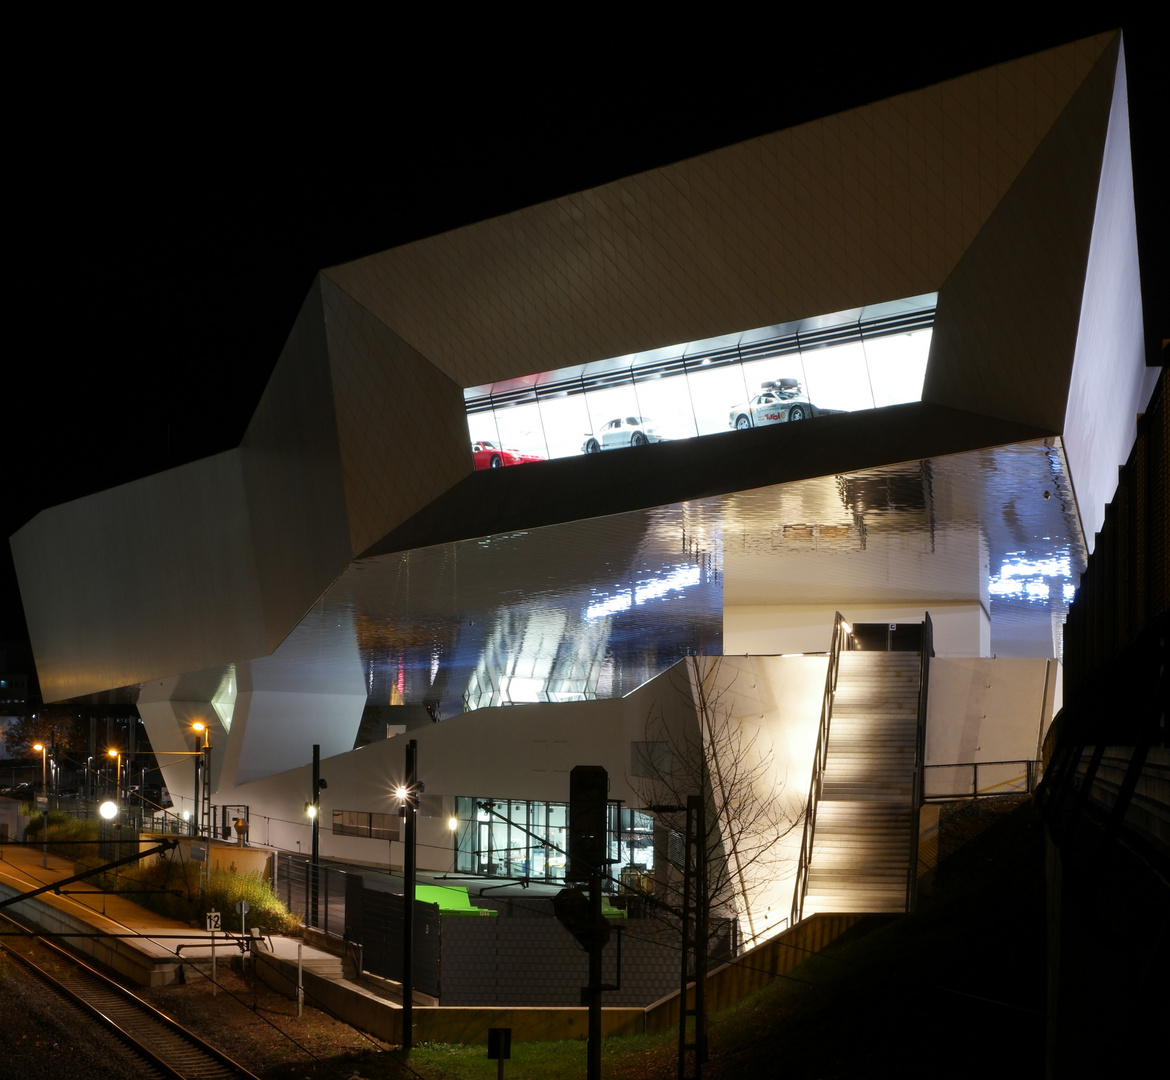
x,y
146,948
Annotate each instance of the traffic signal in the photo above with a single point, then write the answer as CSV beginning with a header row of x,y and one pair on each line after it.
x,y
588,802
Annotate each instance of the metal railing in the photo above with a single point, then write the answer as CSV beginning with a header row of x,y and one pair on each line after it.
x,y
293,885
142,817
814,786
980,779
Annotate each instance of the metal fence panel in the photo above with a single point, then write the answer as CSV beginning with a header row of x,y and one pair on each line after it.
x,y
381,942
975,779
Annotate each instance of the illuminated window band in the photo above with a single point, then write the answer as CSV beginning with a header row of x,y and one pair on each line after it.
x,y
527,840
863,359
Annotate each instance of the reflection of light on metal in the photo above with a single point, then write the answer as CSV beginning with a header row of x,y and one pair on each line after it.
x,y
681,577
610,605
1027,579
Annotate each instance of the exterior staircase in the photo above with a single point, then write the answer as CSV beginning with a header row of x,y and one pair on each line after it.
x,y
861,847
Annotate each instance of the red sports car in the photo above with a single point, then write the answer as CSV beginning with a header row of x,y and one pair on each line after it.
x,y
489,456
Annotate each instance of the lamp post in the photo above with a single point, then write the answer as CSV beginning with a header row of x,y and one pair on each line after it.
x,y
407,794
117,754
41,748
313,809
196,797
45,811
203,795
109,811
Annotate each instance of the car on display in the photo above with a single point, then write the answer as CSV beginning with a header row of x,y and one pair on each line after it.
x,y
489,456
780,402
620,432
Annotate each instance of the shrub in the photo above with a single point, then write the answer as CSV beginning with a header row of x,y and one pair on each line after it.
x,y
170,887
70,837
225,890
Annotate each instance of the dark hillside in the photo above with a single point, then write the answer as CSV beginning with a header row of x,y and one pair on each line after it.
x,y
956,990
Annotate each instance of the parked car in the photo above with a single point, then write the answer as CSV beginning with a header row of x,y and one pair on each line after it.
x,y
489,456
780,402
620,432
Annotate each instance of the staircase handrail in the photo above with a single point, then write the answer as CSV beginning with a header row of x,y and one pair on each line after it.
x,y
840,630
918,788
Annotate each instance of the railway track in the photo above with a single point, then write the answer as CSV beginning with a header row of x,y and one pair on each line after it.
x,y
165,1048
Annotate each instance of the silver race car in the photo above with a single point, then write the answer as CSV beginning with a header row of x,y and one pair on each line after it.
x,y
622,431
780,402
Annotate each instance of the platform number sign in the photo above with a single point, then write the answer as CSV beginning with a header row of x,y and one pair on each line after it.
x,y
213,922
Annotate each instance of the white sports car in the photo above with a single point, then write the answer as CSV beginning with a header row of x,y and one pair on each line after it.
x,y
780,402
620,432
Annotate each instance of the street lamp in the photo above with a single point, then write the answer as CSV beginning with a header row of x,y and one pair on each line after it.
x,y
117,755
313,809
202,794
407,794
45,811
41,747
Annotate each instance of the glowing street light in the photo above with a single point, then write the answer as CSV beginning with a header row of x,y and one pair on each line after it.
x,y
202,770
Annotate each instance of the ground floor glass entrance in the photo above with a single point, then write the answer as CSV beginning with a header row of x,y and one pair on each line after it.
x,y
523,838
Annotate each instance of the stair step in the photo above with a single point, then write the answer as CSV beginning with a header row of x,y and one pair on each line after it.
x,y
860,853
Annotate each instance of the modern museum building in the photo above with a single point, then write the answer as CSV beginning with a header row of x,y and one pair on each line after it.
x,y
590,481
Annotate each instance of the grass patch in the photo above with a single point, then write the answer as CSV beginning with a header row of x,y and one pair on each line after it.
x,y
622,1058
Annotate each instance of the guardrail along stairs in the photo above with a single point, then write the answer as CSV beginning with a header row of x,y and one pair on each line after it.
x,y
862,847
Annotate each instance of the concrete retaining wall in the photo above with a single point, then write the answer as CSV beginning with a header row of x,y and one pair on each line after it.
x,y
115,953
727,984
536,962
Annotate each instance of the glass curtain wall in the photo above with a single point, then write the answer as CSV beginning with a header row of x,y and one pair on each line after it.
x,y
521,838
862,359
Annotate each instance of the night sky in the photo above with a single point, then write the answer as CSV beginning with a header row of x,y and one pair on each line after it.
x,y
172,207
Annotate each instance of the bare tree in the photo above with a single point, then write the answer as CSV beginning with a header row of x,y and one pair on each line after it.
x,y
702,749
